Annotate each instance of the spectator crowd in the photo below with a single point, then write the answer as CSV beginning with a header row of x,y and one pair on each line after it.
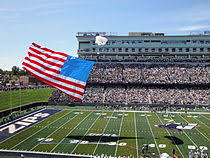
x,y
138,95
144,73
151,73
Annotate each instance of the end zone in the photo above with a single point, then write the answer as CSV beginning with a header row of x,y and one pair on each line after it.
x,y
20,124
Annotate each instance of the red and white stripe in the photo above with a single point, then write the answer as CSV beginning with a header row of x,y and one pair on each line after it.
x,y
45,65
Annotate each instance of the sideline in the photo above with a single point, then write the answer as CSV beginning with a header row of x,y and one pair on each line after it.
x,y
172,112
40,154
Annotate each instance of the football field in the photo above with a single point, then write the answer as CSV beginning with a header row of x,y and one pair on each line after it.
x,y
112,133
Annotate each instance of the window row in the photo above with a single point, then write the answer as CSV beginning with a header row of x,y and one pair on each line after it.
x,y
150,49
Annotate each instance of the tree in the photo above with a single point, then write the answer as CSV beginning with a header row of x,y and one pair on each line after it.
x,y
1,72
15,70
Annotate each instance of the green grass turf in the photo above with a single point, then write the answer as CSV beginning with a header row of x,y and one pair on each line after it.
x,y
134,129
11,99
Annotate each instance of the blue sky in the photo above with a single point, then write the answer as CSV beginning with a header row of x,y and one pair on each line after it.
x,y
54,23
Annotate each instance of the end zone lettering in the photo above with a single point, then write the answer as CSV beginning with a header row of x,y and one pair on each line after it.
x,y
23,123
13,127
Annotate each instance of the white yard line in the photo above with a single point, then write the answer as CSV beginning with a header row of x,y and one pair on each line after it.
x,y
54,131
38,131
195,128
153,135
119,135
71,131
85,134
201,122
205,116
170,136
102,133
136,135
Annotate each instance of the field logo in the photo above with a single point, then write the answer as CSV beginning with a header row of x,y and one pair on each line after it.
x,y
178,126
12,128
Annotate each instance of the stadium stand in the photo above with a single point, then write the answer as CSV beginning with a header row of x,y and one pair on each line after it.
x,y
145,68
145,83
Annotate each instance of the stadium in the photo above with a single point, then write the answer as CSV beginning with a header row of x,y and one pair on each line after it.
x,y
147,96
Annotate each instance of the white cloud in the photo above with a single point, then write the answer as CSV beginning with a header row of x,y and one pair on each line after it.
x,y
5,65
42,6
15,13
10,16
192,28
48,12
195,13
4,58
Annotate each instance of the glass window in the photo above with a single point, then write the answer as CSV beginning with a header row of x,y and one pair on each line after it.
x,y
173,49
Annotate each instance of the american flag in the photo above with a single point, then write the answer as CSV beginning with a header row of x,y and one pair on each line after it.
x,y
64,72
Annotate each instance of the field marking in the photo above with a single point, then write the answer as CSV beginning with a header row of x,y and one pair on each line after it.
x,y
153,135
85,134
136,134
187,135
102,133
23,117
170,136
196,129
119,136
71,131
172,112
205,116
55,130
39,130
26,129
201,122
